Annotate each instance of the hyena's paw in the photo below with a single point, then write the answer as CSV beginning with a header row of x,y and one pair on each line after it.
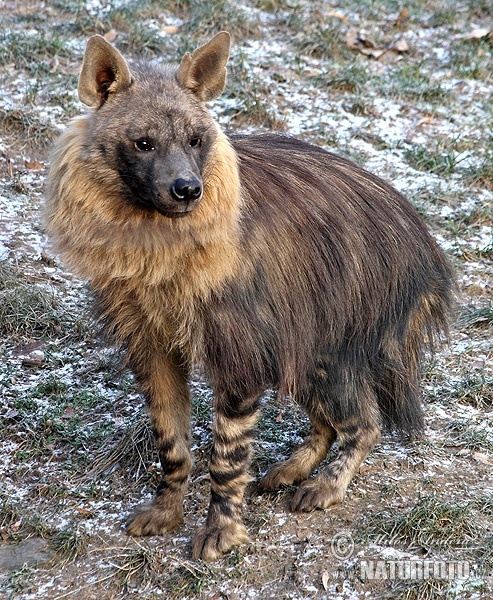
x,y
282,473
151,519
211,541
316,493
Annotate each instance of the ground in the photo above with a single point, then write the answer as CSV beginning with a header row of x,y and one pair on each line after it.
x,y
403,88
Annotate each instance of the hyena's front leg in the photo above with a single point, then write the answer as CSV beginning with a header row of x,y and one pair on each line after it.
x,y
165,385
233,432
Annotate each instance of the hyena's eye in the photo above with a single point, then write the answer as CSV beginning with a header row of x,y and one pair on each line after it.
x,y
195,142
144,145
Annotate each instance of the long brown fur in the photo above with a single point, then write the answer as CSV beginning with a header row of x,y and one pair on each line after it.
x,y
295,268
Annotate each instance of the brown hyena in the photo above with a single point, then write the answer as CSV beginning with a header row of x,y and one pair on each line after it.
x,y
272,262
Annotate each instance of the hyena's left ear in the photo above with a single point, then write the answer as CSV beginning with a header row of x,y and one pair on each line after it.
x,y
104,72
204,71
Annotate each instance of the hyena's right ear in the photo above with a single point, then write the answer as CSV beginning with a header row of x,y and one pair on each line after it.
x,y
204,71
104,72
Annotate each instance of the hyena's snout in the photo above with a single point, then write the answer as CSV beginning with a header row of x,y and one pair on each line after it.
x,y
179,191
186,189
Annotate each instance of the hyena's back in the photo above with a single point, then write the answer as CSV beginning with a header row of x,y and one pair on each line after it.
x,y
341,288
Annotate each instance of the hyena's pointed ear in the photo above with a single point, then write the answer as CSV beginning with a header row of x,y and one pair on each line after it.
x,y
204,71
104,72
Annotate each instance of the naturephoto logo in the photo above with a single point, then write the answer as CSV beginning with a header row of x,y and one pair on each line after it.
x,y
342,548
413,569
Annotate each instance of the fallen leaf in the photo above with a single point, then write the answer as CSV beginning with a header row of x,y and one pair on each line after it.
x,y
279,417
479,34
11,414
110,36
482,458
402,18
425,121
54,64
373,52
401,46
483,33
33,165
169,29
16,526
337,15
357,41
325,580
68,413
83,511
35,358
352,39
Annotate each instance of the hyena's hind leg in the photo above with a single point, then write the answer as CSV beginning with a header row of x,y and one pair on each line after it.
x,y
356,439
165,385
304,459
351,408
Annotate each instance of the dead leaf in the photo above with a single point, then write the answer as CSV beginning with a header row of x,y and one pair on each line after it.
x,y
402,18
54,63
352,38
357,41
482,33
11,414
482,458
83,511
35,358
110,36
34,165
68,413
401,46
425,121
325,580
279,417
373,52
479,34
337,15
16,526
170,29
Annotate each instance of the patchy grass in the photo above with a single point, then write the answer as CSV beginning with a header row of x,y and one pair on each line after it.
x,y
442,159
475,389
469,433
131,450
190,578
70,543
27,309
411,81
427,589
429,524
254,108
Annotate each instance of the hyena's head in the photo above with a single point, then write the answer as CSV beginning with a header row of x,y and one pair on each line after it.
x,y
149,125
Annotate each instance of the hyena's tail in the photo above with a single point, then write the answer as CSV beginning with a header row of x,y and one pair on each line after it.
x,y
396,368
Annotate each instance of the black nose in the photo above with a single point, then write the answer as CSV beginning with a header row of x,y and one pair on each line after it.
x,y
185,190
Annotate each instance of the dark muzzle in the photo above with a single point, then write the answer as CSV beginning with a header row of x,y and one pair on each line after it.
x,y
185,190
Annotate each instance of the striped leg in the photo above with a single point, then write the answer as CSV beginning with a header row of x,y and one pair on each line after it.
x,y
356,439
233,432
304,459
165,385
